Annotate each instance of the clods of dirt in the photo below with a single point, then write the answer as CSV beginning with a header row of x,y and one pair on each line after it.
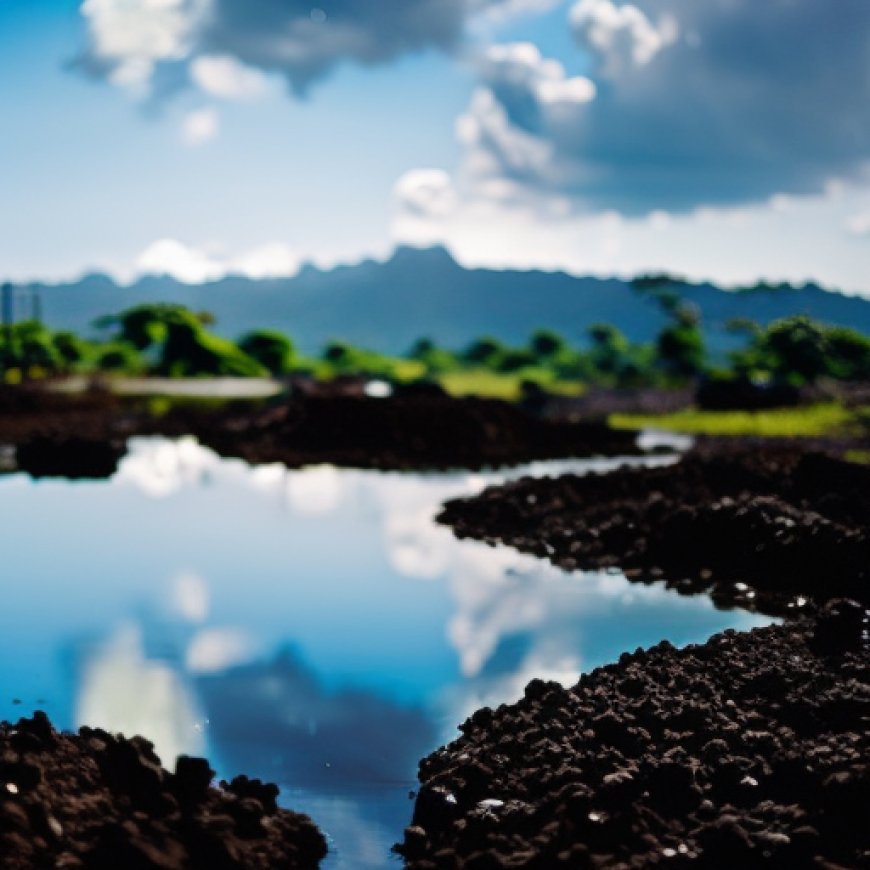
x,y
408,431
102,802
755,528
54,435
750,750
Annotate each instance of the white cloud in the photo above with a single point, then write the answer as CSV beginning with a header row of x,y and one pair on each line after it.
x,y
216,649
123,691
620,35
200,126
129,37
499,224
674,126
171,257
274,260
426,192
161,468
520,65
224,76
197,266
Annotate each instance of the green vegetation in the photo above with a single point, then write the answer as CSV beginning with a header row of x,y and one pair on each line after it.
x,y
172,341
809,421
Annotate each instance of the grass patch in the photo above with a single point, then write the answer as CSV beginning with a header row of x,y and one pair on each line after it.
x,y
501,385
829,419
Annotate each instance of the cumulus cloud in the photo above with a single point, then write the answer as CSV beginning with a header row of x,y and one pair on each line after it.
x,y
197,266
123,691
171,257
621,36
212,650
129,39
692,104
223,76
426,192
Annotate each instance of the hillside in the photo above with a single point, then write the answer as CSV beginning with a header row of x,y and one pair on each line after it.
x,y
387,305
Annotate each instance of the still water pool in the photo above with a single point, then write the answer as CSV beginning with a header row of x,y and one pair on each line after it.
x,y
314,628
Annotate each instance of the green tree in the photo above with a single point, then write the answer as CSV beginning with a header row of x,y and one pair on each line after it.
x,y
680,348
547,345
798,350
175,342
486,351
118,357
609,350
28,346
190,351
71,350
270,348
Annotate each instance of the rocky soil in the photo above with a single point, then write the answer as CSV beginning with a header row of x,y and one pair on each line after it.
x,y
96,801
754,528
748,751
84,436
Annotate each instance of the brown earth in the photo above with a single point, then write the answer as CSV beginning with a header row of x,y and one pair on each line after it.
x,y
85,436
753,528
96,801
748,751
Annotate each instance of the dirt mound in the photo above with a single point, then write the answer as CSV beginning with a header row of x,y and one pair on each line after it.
x,y
74,436
754,528
97,801
408,431
749,751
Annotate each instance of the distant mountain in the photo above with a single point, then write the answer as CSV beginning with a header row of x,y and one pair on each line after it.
x,y
424,292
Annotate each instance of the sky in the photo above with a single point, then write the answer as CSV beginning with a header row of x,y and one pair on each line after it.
x,y
724,139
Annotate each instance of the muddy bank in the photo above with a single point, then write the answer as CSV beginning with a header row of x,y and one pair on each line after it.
x,y
410,431
748,751
91,800
755,529
84,436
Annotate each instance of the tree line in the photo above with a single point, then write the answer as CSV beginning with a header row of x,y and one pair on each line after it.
x,y
172,341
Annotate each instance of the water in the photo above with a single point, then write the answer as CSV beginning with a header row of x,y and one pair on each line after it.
x,y
315,628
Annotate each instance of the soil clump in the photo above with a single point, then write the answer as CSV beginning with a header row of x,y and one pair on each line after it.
x,y
754,528
85,436
101,802
750,750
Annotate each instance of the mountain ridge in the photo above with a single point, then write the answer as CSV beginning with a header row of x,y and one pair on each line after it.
x,y
387,305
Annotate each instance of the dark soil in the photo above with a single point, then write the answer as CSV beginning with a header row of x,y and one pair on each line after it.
x,y
410,431
749,751
100,802
85,436
780,523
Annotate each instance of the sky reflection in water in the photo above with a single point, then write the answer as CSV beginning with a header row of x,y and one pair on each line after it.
x,y
313,627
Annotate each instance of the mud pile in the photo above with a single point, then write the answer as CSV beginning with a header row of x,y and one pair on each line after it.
x,y
748,751
84,436
92,800
754,528
408,431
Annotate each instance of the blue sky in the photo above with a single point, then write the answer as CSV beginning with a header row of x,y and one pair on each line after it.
x,y
728,139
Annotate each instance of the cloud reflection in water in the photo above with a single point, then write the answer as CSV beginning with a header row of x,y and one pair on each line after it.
x,y
329,631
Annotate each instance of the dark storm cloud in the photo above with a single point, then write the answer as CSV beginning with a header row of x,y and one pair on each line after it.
x,y
304,44
129,40
715,102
